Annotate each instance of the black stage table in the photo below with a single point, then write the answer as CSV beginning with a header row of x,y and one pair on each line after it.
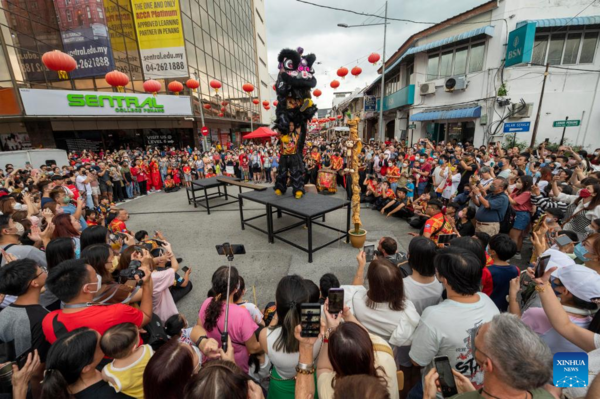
x,y
205,184
309,208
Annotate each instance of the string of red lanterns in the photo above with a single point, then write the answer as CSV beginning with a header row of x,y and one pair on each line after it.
x,y
152,86
60,62
176,87
117,79
342,72
215,84
192,84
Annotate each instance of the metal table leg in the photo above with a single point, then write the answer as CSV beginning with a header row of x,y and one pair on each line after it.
x,y
225,188
241,202
310,246
270,224
207,203
348,223
194,196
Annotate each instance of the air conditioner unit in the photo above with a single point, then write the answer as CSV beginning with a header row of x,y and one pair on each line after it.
x,y
455,83
518,110
427,88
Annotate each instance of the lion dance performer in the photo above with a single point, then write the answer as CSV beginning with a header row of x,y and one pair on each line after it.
x,y
294,109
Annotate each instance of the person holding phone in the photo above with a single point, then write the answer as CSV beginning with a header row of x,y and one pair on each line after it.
x,y
497,346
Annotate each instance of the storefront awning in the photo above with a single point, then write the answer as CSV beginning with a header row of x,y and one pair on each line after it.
x,y
557,22
484,30
461,113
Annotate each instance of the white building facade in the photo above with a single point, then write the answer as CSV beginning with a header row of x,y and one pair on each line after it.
x,y
449,82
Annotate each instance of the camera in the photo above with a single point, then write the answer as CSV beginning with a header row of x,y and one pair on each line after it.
x,y
132,271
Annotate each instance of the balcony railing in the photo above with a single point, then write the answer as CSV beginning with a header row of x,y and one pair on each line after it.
x,y
404,96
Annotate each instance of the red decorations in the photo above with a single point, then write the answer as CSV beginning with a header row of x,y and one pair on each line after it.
x,y
224,103
215,84
275,103
223,109
192,84
342,72
248,88
255,101
175,87
334,84
59,62
267,107
331,118
117,79
152,86
265,103
206,106
221,114
317,93
274,88
356,71
373,58
314,120
339,116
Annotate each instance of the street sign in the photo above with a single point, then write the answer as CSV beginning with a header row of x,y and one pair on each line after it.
x,y
567,123
516,127
520,45
412,126
204,131
370,103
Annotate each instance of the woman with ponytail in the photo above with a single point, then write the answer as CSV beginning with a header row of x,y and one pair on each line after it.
x,y
240,326
71,368
278,341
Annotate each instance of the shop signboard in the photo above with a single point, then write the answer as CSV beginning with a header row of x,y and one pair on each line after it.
x,y
85,36
370,103
159,138
91,103
160,37
519,48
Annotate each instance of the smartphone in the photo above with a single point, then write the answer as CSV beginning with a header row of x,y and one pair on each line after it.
x,y
336,300
310,319
447,383
446,238
185,269
369,252
235,248
563,240
540,269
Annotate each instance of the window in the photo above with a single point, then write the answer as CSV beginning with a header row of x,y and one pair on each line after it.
x,y
262,62
432,67
100,13
408,73
565,48
460,61
89,13
446,64
476,57
69,16
264,84
261,39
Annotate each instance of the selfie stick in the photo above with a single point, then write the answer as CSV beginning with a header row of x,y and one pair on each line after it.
x,y
224,335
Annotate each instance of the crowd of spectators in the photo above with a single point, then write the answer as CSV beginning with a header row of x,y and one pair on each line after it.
x,y
89,307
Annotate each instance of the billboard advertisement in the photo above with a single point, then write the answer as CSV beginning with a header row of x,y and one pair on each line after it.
x,y
122,37
85,36
160,37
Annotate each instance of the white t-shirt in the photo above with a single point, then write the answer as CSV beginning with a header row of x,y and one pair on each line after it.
x,y
253,310
447,329
422,295
394,326
81,186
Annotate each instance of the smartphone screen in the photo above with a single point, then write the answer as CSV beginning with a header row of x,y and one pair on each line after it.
x,y
563,240
336,300
541,266
310,319
447,383
369,252
185,269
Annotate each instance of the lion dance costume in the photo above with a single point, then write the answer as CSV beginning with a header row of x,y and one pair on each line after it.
x,y
294,109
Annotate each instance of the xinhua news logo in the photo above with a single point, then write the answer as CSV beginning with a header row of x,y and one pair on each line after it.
x,y
570,369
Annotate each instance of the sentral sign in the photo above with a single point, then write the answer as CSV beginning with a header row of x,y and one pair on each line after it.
x,y
91,103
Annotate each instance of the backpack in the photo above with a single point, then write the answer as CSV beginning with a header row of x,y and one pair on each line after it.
x,y
509,220
155,334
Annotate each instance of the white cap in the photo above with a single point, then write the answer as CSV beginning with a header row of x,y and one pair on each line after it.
x,y
581,281
558,259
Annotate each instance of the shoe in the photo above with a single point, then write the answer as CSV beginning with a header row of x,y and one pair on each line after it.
x,y
278,192
299,194
306,104
517,256
179,260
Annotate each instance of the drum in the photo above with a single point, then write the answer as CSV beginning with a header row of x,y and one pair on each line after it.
x,y
326,180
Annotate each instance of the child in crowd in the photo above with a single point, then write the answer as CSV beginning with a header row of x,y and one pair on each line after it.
x,y
501,249
170,184
410,189
238,298
187,175
176,176
177,326
209,173
125,373
94,218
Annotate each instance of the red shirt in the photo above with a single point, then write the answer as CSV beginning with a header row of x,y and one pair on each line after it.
x,y
426,167
187,170
117,226
99,318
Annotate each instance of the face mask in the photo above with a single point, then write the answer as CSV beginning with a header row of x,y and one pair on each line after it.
x,y
19,228
500,164
422,160
405,165
585,193
580,251
548,160
19,207
98,284
460,214
66,200
441,162
492,188
50,173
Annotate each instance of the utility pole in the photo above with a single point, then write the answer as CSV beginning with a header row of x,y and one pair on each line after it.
x,y
204,140
381,128
562,138
539,110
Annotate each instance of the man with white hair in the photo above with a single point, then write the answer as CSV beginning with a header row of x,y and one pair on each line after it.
x,y
516,363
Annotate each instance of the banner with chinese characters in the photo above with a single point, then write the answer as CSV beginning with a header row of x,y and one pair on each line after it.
x,y
160,37
85,36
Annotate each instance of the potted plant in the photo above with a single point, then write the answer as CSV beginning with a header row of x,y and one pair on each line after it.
x,y
358,236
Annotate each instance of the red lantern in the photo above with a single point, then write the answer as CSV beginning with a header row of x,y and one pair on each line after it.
x,y
192,84
175,87
356,71
340,117
215,84
117,79
59,62
265,103
317,93
206,106
223,109
248,88
152,86
267,107
314,120
335,84
221,115
331,118
373,58
275,103
255,101
224,103
342,72
274,88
